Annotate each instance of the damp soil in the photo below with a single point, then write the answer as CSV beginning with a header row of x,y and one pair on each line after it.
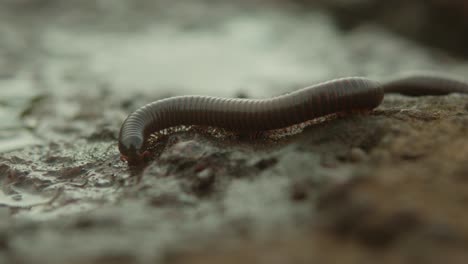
x,y
386,186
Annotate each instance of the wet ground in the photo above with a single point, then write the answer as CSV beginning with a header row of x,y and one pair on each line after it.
x,y
387,186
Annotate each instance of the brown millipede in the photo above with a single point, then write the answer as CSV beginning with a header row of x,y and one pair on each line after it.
x,y
425,84
251,115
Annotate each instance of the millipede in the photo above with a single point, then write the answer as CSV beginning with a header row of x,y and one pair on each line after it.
x,y
252,115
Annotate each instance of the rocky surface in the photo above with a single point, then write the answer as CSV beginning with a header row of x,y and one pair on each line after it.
x,y
386,186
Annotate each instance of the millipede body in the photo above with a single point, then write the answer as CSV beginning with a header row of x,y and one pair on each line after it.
x,y
251,115
417,85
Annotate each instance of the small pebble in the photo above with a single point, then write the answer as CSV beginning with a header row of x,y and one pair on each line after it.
x,y
357,155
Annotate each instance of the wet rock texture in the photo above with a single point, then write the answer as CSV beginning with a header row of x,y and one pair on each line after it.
x,y
389,186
